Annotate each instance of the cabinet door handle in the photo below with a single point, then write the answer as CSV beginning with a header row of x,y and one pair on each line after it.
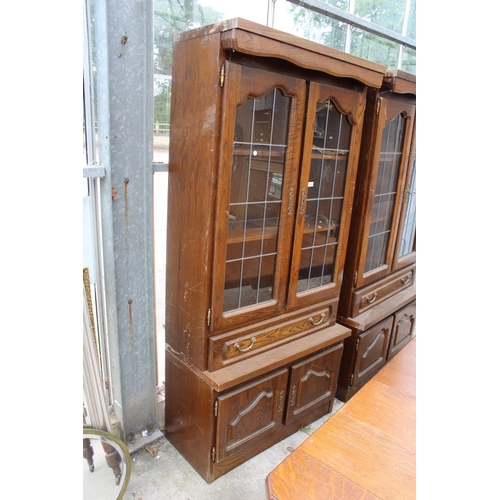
x,y
405,280
303,202
252,342
282,398
372,299
320,320
290,201
294,394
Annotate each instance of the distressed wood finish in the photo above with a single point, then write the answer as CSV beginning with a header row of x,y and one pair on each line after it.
x,y
367,450
253,349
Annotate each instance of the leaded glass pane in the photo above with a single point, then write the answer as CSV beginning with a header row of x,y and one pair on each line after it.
x,y
385,193
325,196
259,153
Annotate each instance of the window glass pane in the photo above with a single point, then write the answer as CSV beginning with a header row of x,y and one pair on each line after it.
x,y
312,25
325,195
259,153
409,61
320,28
90,127
386,13
374,48
411,31
171,18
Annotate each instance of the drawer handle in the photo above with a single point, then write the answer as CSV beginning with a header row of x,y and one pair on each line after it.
x,y
237,346
406,280
372,299
320,320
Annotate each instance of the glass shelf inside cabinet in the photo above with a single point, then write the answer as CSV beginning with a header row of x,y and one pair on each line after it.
x,y
322,205
385,193
259,152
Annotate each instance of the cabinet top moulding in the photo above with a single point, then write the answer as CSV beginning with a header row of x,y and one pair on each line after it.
x,y
400,82
246,37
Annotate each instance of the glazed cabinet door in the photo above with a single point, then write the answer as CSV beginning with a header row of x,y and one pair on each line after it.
x,y
406,246
403,330
326,190
250,414
313,383
262,121
391,151
371,350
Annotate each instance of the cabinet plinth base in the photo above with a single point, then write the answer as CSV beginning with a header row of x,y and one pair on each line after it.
x,y
378,335
218,420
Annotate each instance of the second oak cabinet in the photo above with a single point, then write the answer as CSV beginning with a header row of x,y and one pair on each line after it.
x,y
379,276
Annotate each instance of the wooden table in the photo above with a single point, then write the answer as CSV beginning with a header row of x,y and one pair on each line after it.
x,y
364,451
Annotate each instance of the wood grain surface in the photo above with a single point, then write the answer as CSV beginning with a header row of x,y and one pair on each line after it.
x,y
366,450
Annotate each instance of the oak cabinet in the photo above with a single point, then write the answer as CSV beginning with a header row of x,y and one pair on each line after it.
x,y
265,140
380,269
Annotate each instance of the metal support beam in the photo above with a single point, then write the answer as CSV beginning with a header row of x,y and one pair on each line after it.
x,y
124,62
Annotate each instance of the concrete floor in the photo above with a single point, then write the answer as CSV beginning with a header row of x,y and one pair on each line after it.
x,y
167,476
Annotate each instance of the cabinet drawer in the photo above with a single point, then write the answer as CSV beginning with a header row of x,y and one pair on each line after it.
x,y
231,347
370,296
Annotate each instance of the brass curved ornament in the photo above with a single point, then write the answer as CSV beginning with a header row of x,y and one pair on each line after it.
x,y
117,457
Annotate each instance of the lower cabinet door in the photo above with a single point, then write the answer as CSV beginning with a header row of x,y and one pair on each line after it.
x,y
313,382
371,350
403,330
250,414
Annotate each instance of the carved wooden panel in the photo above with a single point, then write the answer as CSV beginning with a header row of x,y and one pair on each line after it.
x,y
371,350
250,413
403,330
313,382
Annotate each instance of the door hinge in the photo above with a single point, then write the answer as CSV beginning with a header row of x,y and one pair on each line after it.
x,y
222,74
213,454
209,317
216,408
351,379
355,278
357,343
378,106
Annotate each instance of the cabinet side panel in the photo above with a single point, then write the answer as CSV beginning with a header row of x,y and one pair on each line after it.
x,y
189,416
191,194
